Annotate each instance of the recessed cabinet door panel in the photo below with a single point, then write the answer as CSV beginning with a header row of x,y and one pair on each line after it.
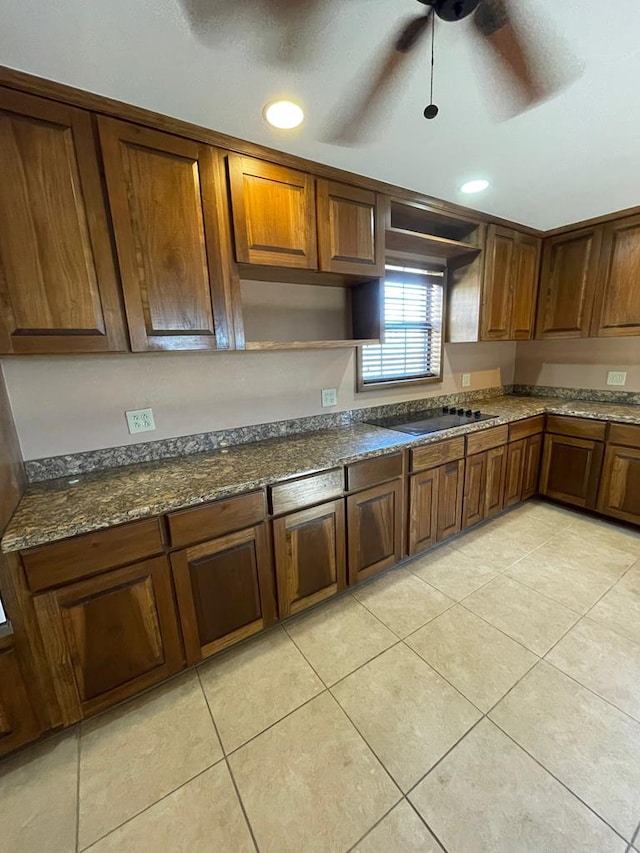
x,y
497,298
423,509
58,285
515,472
350,230
169,235
571,469
18,722
568,283
374,523
618,295
451,494
620,486
273,214
310,556
110,637
525,287
475,479
496,476
532,460
225,590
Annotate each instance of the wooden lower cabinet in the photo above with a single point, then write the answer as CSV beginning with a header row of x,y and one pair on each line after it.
x,y
110,636
18,721
532,461
475,479
619,494
435,505
523,469
571,469
225,590
310,556
374,530
495,482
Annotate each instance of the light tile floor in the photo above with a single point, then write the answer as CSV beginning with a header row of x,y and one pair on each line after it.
x,y
485,697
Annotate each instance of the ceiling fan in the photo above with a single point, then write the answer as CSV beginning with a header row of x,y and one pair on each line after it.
x,y
514,54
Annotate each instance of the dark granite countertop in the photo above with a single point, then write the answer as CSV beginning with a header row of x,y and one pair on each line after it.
x,y
57,509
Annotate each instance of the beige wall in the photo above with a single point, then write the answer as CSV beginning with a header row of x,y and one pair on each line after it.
x,y
578,363
72,404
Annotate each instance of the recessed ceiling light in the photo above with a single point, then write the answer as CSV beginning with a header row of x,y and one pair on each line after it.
x,y
476,186
284,115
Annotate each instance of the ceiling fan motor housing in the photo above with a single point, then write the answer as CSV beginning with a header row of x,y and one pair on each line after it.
x,y
454,10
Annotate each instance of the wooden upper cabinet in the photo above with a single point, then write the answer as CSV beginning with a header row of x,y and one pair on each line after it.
x,y
617,308
274,214
525,287
497,300
568,283
58,284
350,229
166,200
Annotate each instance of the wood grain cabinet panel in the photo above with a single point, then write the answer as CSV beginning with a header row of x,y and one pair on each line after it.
x,y
451,495
619,494
18,721
568,283
310,556
274,214
526,270
532,461
110,637
497,299
374,525
475,481
435,505
225,590
58,285
350,229
165,194
571,469
495,481
515,472
617,309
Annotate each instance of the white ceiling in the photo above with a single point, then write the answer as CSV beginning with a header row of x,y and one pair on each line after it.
x,y
571,158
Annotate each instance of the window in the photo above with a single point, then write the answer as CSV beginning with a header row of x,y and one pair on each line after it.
x,y
412,348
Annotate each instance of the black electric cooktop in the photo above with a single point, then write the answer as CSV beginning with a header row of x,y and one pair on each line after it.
x,y
432,420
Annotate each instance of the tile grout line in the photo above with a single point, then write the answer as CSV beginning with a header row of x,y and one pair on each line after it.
x,y
437,838
635,837
227,764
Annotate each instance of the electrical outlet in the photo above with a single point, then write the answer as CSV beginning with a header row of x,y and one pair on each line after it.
x,y
466,380
617,377
140,420
329,397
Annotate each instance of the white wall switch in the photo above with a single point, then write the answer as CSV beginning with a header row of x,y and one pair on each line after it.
x,y
329,397
466,380
617,377
140,420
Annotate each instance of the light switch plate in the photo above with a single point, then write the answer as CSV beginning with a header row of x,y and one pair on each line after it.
x,y
466,380
617,377
140,420
329,397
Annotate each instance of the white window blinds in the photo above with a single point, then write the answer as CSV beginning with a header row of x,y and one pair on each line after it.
x,y
412,328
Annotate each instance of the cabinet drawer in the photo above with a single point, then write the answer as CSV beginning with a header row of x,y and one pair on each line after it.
x,y
370,472
487,439
523,429
188,526
625,434
91,553
437,454
296,494
577,427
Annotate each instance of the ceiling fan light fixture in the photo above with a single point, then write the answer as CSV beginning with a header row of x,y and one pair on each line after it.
x,y
285,115
476,186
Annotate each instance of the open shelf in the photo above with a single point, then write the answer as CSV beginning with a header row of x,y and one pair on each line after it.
x,y
406,216
276,345
398,240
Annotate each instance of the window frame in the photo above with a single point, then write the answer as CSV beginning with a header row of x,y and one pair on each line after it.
x,y
422,266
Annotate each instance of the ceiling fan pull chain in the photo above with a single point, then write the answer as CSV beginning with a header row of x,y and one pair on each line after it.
x,y
432,110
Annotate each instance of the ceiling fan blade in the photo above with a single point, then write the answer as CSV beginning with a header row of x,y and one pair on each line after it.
x,y
510,48
350,127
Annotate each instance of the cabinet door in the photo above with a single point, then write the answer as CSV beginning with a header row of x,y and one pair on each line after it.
x,y
58,285
110,637
374,524
450,497
525,287
18,722
532,459
620,486
310,556
571,469
168,223
423,510
515,472
617,310
274,214
497,293
475,480
495,482
225,591
567,284
350,229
